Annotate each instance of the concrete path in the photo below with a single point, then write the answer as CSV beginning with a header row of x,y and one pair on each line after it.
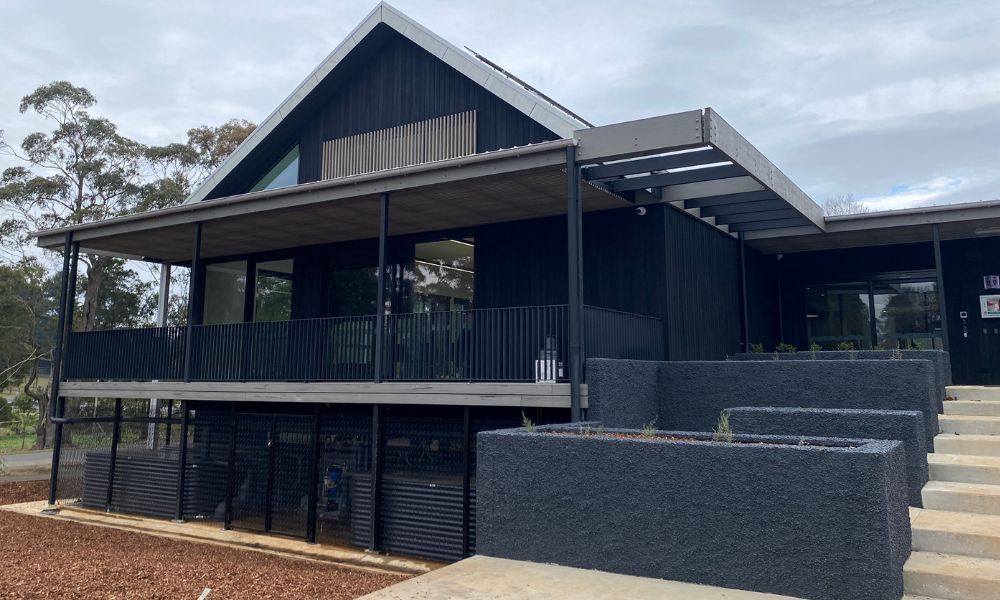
x,y
27,461
484,578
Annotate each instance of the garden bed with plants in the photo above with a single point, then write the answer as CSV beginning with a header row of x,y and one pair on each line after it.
x,y
800,516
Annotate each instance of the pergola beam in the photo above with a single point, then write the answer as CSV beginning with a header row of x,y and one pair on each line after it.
x,y
666,162
643,182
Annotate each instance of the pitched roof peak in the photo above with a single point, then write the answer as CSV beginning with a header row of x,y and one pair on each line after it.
x,y
511,90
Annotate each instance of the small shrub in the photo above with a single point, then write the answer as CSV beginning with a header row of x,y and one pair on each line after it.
x,y
787,348
814,347
723,432
527,423
757,348
649,429
845,346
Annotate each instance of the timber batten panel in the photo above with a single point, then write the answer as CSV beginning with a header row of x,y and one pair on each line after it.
x,y
430,140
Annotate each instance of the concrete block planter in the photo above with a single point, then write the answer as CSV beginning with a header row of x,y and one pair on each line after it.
x,y
827,520
690,395
903,425
940,358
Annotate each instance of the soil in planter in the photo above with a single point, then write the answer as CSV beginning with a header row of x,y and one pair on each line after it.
x,y
672,438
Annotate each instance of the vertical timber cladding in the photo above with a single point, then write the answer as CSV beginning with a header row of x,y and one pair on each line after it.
x,y
975,350
702,289
430,140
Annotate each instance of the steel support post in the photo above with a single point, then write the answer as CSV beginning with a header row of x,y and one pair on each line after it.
x,y
375,529
744,315
116,434
470,440
574,237
939,271
193,299
383,247
230,468
313,479
56,369
181,462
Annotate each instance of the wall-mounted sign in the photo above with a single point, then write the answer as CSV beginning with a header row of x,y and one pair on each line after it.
x,y
989,305
991,282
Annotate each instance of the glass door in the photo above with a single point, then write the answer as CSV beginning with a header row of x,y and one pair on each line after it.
x,y
907,315
839,315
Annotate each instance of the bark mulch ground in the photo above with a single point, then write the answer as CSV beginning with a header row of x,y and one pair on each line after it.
x,y
46,558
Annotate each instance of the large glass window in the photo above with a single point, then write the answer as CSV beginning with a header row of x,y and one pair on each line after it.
x,y
225,292
838,314
352,292
442,276
907,315
884,312
283,174
273,291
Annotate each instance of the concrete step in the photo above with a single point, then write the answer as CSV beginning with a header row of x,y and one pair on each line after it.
x,y
964,468
958,533
969,425
962,497
952,577
978,408
980,445
973,392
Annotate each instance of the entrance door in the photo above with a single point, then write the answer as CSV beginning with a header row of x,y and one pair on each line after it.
x,y
271,473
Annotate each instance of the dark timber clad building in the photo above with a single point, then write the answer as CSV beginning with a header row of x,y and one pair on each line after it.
x,y
416,246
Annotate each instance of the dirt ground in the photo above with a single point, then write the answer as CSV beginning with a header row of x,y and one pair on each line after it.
x,y
46,558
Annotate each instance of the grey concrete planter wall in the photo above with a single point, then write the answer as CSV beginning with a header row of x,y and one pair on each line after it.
x,y
818,522
903,425
690,395
941,360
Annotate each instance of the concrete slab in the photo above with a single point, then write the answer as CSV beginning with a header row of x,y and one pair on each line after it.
x,y
485,578
212,533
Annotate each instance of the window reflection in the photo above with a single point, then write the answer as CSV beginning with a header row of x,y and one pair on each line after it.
x,y
837,315
225,292
273,291
442,276
283,174
907,315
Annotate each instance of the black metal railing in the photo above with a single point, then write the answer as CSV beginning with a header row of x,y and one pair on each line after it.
x,y
126,354
491,344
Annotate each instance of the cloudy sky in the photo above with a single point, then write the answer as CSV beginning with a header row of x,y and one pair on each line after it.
x,y
895,102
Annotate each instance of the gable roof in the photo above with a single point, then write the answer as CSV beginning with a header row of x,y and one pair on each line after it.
x,y
527,101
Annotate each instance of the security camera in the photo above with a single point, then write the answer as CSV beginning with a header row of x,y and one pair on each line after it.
x,y
641,210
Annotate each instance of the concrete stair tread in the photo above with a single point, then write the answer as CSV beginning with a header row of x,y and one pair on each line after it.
x,y
971,460
983,408
951,577
967,443
957,533
969,424
985,569
958,496
980,418
956,522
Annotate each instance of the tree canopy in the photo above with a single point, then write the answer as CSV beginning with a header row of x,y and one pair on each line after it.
x,y
83,169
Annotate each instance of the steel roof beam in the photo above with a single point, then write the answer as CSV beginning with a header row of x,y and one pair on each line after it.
x,y
667,179
770,224
765,215
680,160
739,208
